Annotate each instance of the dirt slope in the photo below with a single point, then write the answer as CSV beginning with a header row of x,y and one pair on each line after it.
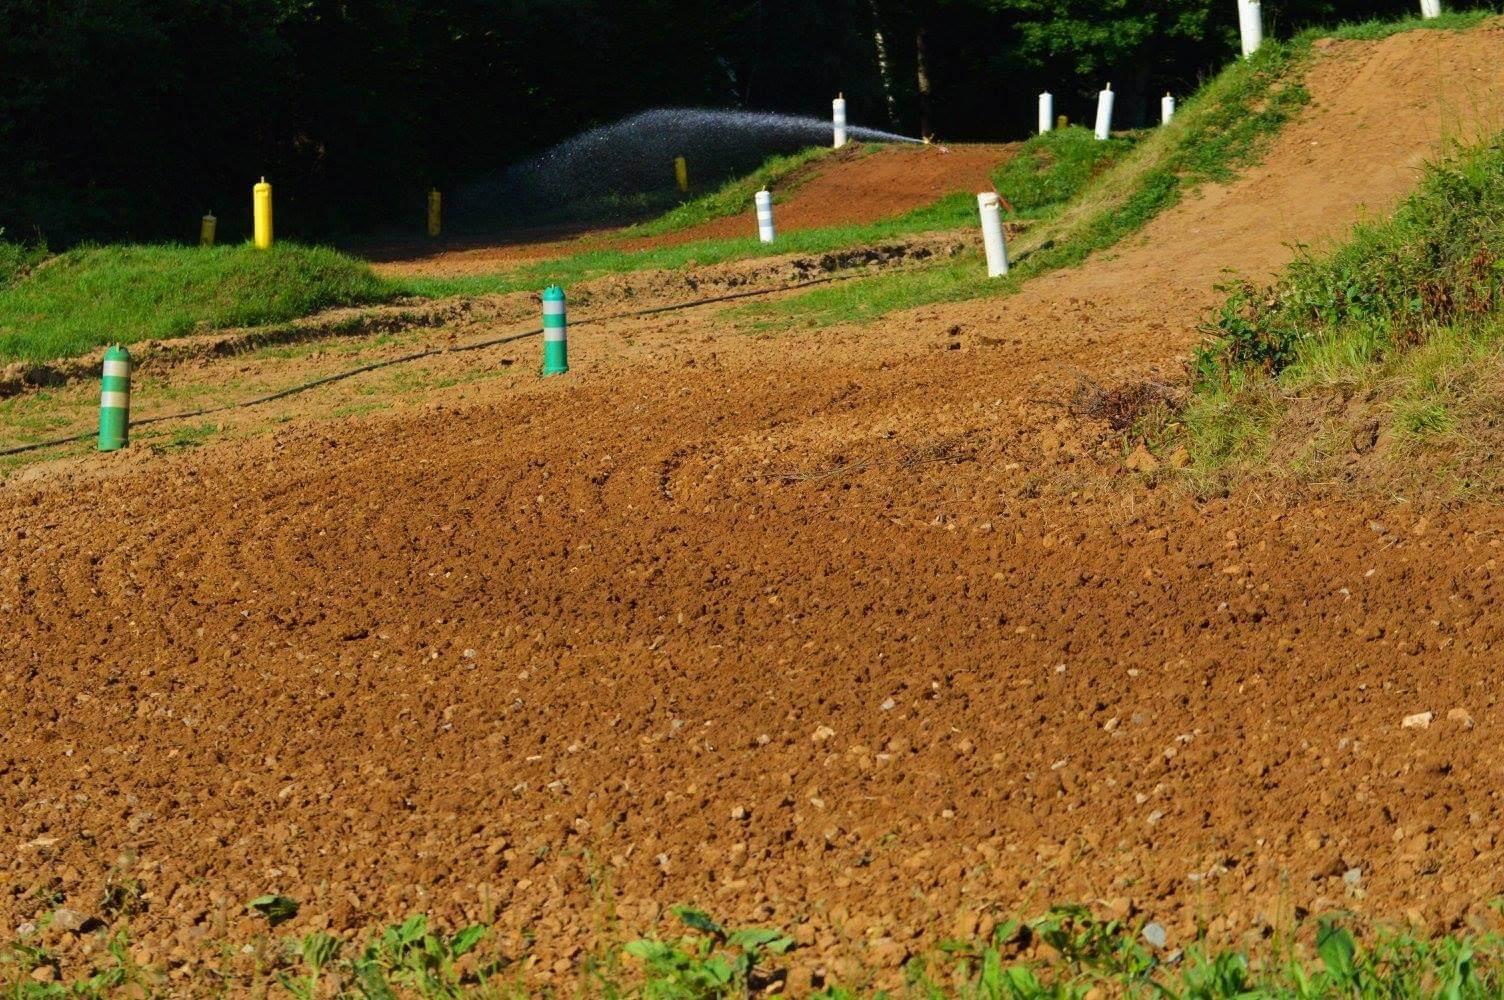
x,y
848,188
855,634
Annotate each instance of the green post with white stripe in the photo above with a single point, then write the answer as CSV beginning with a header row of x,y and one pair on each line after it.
x,y
115,400
555,332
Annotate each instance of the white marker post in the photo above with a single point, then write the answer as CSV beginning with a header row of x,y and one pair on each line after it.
x,y
1046,112
764,202
1104,113
1250,26
838,119
1166,109
1430,9
990,206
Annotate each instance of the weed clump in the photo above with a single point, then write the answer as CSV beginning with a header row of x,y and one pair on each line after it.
x,y
1434,264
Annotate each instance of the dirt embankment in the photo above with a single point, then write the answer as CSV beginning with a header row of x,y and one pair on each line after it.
x,y
855,634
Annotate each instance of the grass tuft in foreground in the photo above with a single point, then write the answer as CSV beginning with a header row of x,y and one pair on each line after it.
x,y
1067,953
91,296
1402,322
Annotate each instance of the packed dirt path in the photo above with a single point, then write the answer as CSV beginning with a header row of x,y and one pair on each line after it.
x,y
850,187
864,634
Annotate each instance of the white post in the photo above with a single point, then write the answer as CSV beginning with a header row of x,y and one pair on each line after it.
x,y
1046,112
764,202
1430,9
1166,109
992,234
838,116
1104,113
1251,26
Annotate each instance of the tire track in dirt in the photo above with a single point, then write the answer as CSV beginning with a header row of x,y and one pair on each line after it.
x,y
899,652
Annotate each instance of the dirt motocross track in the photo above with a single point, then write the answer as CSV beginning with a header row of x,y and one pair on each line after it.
x,y
862,634
847,188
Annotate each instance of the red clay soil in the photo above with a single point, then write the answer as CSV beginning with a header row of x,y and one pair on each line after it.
x,y
856,634
848,188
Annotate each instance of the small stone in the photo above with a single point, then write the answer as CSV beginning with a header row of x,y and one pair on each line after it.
x,y
1420,720
68,920
44,974
1352,877
888,705
822,734
1154,933
1141,460
738,813
1156,816
1460,715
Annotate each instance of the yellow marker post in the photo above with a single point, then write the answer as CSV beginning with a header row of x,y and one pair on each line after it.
x,y
435,212
1062,122
206,227
261,211
681,173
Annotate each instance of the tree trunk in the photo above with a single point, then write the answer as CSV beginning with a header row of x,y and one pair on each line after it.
x,y
884,70
922,69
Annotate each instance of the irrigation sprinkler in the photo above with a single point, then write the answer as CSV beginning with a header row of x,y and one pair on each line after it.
x,y
1104,113
115,400
1166,109
555,332
1430,9
1250,26
838,119
1046,112
435,213
207,226
681,173
989,204
261,212
764,202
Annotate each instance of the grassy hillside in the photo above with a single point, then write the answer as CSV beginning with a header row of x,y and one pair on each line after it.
x,y
1387,348
91,296
1222,128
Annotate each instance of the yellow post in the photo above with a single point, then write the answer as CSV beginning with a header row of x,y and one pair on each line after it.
x,y
1062,122
206,227
681,173
435,212
261,210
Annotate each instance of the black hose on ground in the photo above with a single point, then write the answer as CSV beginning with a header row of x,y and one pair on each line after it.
x,y
418,355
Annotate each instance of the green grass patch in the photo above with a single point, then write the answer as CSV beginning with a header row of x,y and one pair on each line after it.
x,y
1066,954
1221,129
17,260
948,213
1051,169
1378,30
733,197
92,296
1405,316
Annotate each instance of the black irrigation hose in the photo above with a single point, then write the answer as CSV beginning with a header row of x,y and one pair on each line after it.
x,y
418,355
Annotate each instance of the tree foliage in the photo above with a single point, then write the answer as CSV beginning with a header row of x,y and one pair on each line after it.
x,y
129,118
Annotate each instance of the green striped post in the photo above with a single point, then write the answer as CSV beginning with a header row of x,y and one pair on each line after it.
x,y
115,400
555,332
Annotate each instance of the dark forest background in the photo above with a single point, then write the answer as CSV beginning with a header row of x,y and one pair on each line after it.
x,y
129,118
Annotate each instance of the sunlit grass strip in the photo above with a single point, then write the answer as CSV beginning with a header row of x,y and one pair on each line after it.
x,y
93,296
